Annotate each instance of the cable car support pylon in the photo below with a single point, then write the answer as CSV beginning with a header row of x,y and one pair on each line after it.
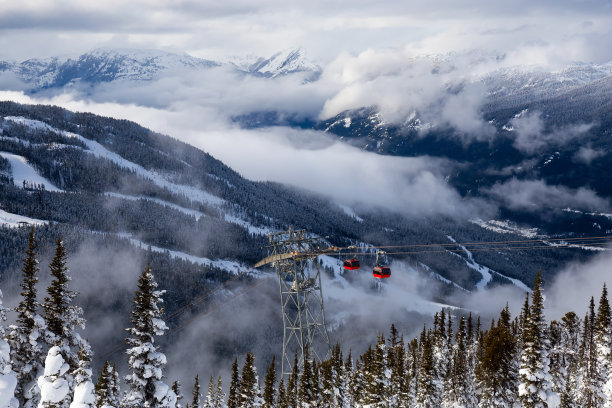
x,y
294,256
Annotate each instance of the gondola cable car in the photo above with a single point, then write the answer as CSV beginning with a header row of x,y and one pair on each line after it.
x,y
381,271
351,264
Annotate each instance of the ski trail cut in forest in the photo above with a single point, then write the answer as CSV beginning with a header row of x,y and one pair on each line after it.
x,y
231,218
98,150
485,272
8,219
228,265
23,171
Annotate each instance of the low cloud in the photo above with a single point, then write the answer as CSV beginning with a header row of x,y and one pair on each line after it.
x,y
586,154
532,135
533,195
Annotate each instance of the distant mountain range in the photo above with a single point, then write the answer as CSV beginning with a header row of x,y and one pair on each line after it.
x,y
107,65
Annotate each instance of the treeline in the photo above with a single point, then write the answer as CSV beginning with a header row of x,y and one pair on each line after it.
x,y
522,361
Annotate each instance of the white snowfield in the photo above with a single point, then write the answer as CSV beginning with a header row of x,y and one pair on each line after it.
x,y
14,220
98,150
23,171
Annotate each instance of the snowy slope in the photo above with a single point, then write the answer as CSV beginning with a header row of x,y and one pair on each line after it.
x,y
13,220
98,150
23,171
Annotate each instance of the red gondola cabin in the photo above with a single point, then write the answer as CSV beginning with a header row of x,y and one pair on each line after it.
x,y
381,272
351,264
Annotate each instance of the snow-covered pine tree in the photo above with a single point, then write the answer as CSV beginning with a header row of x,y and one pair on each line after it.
x,y
61,316
534,387
428,388
84,396
104,388
248,396
590,396
409,386
460,388
219,395
146,362
196,400
53,385
269,394
25,336
348,373
8,378
327,384
307,395
396,357
209,401
569,351
233,398
176,388
603,342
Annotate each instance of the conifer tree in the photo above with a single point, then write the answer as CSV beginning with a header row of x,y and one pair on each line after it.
x,y
569,350
25,336
176,388
460,389
53,385
84,396
427,393
410,384
496,369
211,395
146,362
293,383
219,395
104,390
349,395
233,399
603,342
327,384
196,400
306,391
248,396
8,378
281,399
269,394
534,388
61,316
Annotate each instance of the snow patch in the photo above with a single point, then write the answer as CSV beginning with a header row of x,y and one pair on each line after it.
x,y
23,171
13,220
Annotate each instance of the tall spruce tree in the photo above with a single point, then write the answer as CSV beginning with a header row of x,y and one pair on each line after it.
x,y
427,393
307,389
196,400
176,388
61,316
105,389
26,335
233,398
496,369
269,394
146,362
248,396
534,388
53,385
460,390
211,395
219,395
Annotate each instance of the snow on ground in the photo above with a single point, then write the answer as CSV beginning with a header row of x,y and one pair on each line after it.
x,y
188,211
195,213
250,227
98,150
505,227
13,220
485,272
350,212
228,265
23,171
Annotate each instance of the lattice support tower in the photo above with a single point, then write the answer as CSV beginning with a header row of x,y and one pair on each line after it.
x,y
294,256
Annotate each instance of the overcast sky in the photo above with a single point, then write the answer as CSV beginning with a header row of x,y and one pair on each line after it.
x,y
561,29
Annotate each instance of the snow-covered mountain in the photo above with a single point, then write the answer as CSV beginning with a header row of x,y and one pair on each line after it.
x,y
107,65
